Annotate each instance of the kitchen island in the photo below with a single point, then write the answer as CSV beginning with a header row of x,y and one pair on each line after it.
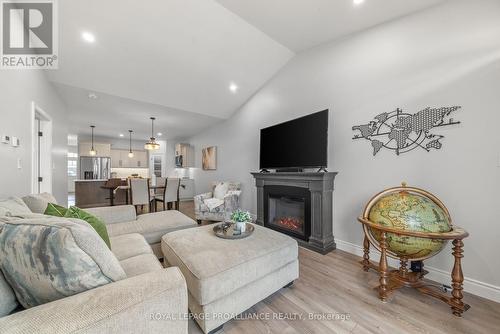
x,y
92,193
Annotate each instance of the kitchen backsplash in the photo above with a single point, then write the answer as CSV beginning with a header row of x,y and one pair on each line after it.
x,y
126,172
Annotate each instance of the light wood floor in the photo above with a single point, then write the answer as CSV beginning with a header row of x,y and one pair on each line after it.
x,y
336,284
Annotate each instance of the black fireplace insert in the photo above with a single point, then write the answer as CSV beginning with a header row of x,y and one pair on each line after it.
x,y
287,209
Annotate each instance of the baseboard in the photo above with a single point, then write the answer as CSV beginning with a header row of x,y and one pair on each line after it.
x,y
440,276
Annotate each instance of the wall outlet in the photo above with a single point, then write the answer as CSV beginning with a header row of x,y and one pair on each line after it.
x,y
19,164
5,139
14,141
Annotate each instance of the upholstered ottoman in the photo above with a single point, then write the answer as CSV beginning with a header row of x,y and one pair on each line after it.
x,y
227,277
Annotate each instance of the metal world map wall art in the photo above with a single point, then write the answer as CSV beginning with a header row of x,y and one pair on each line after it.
x,y
402,132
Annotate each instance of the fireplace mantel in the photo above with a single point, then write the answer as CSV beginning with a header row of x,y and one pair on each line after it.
x,y
321,187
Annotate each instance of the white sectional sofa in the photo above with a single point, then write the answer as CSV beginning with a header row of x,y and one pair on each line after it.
x,y
151,299
122,220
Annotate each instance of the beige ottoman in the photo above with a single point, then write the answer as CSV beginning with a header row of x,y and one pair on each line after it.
x,y
227,277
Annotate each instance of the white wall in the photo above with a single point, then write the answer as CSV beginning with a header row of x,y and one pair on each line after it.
x,y
18,88
449,55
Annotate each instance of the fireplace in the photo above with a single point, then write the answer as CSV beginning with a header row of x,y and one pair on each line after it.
x,y
298,204
288,210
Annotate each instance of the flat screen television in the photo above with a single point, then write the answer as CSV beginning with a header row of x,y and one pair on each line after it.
x,y
299,143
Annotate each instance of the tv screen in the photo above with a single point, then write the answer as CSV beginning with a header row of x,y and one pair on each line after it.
x,y
299,143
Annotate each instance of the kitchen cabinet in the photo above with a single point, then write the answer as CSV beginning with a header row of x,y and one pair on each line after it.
x,y
184,155
186,189
140,159
103,150
120,159
116,159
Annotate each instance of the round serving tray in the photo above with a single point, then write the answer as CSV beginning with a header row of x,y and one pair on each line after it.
x,y
229,231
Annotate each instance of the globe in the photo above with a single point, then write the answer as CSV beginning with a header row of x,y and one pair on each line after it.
x,y
408,211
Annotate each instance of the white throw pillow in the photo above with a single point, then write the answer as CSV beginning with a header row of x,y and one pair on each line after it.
x,y
220,190
38,202
13,206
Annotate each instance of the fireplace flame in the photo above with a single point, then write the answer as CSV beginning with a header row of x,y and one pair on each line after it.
x,y
291,223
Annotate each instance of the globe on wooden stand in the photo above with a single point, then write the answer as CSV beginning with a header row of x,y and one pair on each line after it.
x,y
411,224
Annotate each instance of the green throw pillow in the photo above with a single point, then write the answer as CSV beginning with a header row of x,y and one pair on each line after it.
x,y
74,212
55,210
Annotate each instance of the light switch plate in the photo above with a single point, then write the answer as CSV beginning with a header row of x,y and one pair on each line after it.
x,y
5,139
15,142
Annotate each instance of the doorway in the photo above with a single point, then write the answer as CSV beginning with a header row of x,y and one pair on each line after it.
x,y
41,150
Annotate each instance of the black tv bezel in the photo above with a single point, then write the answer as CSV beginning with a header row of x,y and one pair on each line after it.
x,y
292,120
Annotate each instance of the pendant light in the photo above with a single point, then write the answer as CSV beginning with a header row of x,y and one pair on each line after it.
x,y
152,144
92,152
130,153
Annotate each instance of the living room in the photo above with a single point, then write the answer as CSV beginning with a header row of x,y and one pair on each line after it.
x,y
349,104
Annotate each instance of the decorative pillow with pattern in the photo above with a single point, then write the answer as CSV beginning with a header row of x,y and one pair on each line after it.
x,y
49,258
8,300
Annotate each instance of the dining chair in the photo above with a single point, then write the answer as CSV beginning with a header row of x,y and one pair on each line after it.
x,y
160,182
140,194
170,194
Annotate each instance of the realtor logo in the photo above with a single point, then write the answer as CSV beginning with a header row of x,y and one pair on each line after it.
x,y
29,34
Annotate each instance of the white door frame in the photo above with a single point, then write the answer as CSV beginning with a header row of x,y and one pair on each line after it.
x,y
45,150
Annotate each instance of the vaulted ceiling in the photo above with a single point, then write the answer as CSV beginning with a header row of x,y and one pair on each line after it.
x,y
176,59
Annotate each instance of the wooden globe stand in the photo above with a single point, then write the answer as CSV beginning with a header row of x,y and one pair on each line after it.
x,y
392,280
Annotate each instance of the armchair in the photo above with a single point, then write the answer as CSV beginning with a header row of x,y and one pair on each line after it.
x,y
222,212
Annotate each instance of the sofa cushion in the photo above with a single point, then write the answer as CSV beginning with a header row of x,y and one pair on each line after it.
x,y
153,225
140,264
214,267
13,206
129,245
49,258
8,301
114,214
38,202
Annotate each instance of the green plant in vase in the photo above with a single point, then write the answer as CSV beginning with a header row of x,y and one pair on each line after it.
x,y
240,218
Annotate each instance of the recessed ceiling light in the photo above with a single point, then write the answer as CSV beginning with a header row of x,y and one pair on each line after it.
x,y
121,134
88,37
92,96
358,2
159,134
233,87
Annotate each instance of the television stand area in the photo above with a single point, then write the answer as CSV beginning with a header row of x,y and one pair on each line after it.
x,y
289,170
292,170
299,204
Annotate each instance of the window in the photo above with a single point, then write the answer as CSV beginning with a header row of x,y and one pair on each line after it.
x,y
72,164
71,167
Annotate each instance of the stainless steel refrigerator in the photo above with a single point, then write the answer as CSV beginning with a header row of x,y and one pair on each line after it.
x,y
95,168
